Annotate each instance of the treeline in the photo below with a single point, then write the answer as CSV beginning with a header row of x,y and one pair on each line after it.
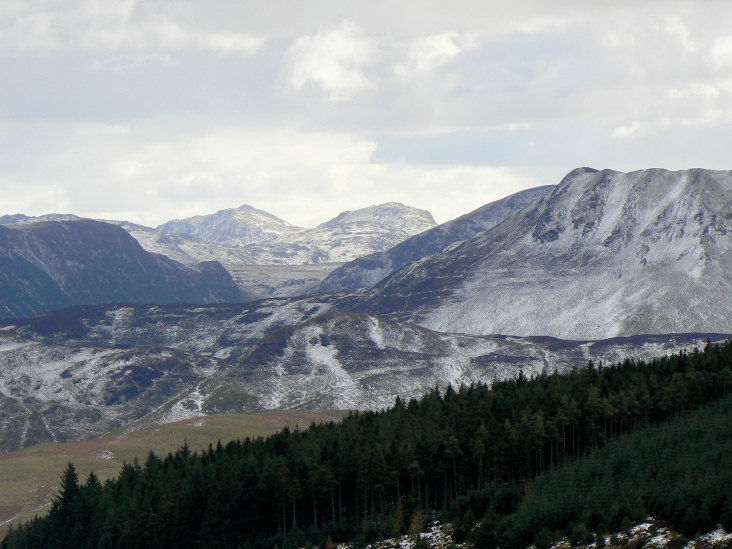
x,y
378,474
679,472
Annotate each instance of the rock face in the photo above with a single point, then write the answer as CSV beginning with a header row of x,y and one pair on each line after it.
x,y
51,265
369,269
603,254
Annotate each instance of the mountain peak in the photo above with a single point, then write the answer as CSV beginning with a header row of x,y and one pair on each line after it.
x,y
604,254
394,214
233,226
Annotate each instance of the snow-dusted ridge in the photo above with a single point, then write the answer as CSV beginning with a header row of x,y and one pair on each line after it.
x,y
248,236
604,254
367,270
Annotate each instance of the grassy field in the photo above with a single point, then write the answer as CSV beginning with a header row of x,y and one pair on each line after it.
x,y
29,477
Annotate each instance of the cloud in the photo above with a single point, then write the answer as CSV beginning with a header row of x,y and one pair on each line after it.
x,y
186,109
634,129
311,178
721,52
49,27
429,52
333,59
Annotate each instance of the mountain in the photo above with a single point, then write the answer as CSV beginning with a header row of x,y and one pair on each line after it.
x,y
233,226
185,248
247,236
369,269
56,264
256,237
603,254
80,372
348,236
223,330
22,219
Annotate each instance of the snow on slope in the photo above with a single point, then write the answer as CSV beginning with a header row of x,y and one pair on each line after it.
x,y
82,371
233,227
604,254
369,269
55,393
352,361
247,236
271,241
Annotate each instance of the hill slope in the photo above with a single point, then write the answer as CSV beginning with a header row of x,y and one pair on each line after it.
x,y
369,269
51,265
603,254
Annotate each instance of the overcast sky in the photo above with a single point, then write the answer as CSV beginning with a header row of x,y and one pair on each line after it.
x,y
152,110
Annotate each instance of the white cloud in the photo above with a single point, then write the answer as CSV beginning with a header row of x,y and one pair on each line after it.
x,y
333,59
310,178
46,27
632,130
721,52
429,52
182,108
676,28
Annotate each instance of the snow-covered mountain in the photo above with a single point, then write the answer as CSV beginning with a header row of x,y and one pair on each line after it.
x,y
347,236
22,219
271,241
247,236
185,248
369,269
603,254
46,266
234,226
78,373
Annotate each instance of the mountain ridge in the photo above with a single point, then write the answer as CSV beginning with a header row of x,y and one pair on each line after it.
x,y
56,264
248,236
603,254
368,270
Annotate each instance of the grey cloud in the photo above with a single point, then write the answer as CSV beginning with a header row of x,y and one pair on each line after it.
x,y
437,90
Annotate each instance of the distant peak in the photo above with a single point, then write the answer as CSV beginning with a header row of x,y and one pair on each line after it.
x,y
391,213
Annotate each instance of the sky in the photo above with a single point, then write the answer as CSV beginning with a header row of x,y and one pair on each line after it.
x,y
159,109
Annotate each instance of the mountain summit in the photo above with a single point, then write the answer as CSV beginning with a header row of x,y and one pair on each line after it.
x,y
234,226
603,254
270,240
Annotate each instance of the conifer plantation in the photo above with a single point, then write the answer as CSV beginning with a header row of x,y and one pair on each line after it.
x,y
530,459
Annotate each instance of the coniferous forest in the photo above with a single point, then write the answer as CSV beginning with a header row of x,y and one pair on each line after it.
x,y
528,461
